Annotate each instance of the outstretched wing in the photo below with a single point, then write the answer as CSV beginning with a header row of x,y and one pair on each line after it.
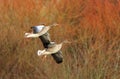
x,y
31,35
44,30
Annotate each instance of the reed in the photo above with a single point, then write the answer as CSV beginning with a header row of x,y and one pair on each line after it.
x,y
94,24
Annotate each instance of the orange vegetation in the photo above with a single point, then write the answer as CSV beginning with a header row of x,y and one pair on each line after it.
x,y
92,25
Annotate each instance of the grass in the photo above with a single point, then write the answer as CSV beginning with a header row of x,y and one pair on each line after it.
x,y
92,26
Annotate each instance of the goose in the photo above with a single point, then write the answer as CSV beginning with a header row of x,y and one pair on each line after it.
x,y
51,49
41,30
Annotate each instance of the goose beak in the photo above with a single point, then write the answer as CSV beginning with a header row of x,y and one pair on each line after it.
x,y
31,27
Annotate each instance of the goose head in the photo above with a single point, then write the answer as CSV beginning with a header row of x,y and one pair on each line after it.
x,y
40,52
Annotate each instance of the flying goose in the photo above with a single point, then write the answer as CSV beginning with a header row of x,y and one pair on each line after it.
x,y
42,29
51,49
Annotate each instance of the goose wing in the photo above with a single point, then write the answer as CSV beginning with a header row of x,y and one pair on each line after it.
x,y
55,48
31,35
44,30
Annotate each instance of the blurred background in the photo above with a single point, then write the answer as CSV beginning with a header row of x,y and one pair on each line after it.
x,y
94,24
